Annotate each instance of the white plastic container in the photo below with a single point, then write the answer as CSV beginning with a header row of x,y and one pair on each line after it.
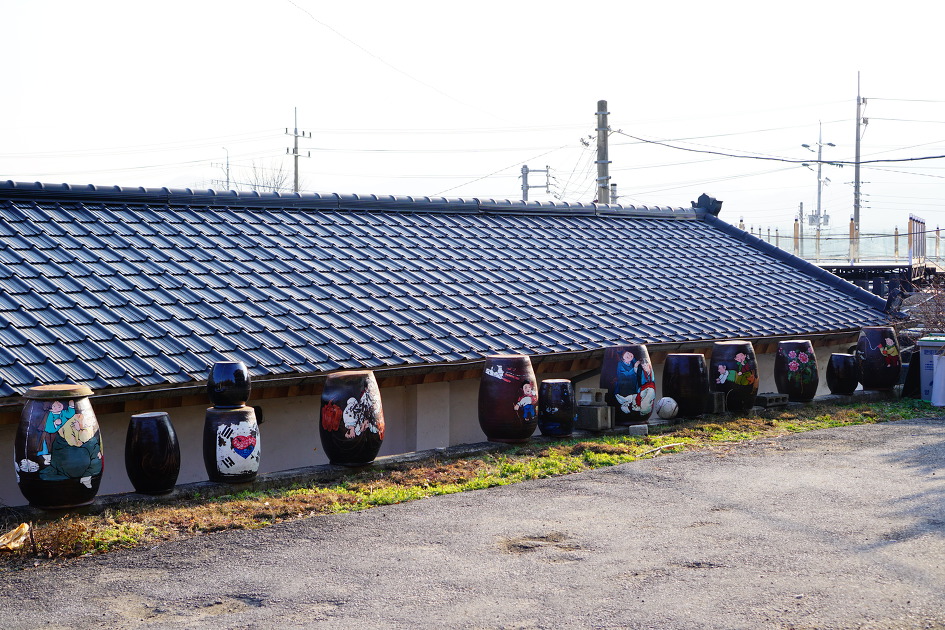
x,y
929,347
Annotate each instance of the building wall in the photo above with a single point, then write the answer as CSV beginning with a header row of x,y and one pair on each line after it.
x,y
418,417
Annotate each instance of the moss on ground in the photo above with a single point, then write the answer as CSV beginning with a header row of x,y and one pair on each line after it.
x,y
146,524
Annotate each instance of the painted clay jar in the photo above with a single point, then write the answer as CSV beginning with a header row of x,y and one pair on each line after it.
x,y
351,422
228,384
152,453
508,398
58,448
686,380
231,448
556,410
733,371
795,370
878,363
841,373
627,375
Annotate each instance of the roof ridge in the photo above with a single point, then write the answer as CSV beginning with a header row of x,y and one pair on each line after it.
x,y
322,201
799,263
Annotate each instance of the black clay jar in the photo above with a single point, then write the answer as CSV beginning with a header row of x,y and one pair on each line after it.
x,y
877,357
734,372
686,380
231,446
556,409
841,373
152,453
228,384
58,448
508,398
627,375
351,423
795,370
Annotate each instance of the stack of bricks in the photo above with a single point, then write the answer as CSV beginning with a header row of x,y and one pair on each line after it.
x,y
593,413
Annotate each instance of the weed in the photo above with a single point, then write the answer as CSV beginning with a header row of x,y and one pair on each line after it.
x,y
136,524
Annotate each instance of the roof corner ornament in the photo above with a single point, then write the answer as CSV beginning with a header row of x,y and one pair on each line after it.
x,y
710,204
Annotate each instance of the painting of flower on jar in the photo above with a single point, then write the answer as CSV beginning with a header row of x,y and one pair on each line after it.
x,y
795,370
800,368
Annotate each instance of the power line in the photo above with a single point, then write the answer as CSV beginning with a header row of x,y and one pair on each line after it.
x,y
387,63
779,159
478,179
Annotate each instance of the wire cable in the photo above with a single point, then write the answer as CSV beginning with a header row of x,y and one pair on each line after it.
x,y
779,159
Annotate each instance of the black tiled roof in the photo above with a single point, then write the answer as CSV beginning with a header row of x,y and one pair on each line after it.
x,y
134,288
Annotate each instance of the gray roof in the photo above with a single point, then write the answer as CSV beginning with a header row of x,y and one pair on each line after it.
x,y
119,288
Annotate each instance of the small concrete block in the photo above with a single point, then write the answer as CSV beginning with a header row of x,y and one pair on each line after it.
x,y
769,400
595,418
591,397
638,429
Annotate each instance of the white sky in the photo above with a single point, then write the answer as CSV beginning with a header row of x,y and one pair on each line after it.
x,y
448,98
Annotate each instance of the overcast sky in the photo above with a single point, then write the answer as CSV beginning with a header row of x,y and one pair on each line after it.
x,y
451,99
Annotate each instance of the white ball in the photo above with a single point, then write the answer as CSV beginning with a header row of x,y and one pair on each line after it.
x,y
666,408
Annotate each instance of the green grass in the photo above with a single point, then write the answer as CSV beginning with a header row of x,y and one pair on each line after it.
x,y
143,523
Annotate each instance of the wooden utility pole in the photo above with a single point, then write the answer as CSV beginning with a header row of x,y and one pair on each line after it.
x,y
603,164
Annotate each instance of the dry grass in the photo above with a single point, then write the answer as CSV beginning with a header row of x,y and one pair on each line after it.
x,y
145,524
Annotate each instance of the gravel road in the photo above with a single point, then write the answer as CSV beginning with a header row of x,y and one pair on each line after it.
x,y
841,528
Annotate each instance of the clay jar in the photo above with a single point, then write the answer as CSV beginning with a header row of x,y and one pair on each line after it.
x,y
228,384
152,453
508,398
351,422
878,364
58,448
556,408
231,445
733,371
686,380
627,375
841,374
795,370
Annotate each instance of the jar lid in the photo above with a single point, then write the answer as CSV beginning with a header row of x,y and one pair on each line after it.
x,y
62,390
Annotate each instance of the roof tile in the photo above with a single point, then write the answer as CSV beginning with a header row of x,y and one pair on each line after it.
x,y
157,291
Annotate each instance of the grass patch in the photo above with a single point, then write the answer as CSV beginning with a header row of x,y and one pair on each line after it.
x,y
145,524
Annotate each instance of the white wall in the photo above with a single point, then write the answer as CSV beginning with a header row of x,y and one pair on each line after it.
x,y
417,417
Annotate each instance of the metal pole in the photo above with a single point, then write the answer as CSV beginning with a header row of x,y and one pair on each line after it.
x,y
796,238
603,163
227,167
800,214
295,152
820,166
524,182
856,166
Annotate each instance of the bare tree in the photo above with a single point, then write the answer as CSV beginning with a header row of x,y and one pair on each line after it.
x,y
261,178
927,309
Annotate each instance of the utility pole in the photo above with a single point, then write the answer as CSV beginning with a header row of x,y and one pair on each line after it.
x,y
294,151
603,164
227,167
525,186
800,222
860,101
819,218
